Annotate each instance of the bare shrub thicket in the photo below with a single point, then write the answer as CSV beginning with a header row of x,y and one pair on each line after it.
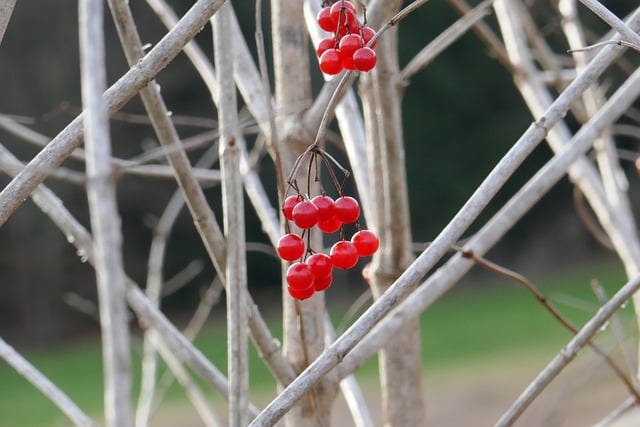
x,y
559,81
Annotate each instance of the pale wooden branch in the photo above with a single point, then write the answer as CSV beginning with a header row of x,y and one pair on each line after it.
x,y
233,206
6,9
445,39
148,314
45,385
116,97
618,412
449,235
105,219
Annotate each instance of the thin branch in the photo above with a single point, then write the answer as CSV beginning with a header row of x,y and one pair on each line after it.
x,y
233,206
622,409
105,219
46,386
604,43
116,97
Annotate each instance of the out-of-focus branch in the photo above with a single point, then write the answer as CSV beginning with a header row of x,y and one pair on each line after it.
x,y
6,9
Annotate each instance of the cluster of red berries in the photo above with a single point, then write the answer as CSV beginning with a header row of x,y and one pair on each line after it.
x,y
346,48
312,271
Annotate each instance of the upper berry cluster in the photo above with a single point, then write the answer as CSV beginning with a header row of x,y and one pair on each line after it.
x,y
347,47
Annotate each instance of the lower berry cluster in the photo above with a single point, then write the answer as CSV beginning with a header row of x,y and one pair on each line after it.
x,y
313,271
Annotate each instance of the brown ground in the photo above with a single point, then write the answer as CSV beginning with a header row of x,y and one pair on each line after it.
x,y
477,395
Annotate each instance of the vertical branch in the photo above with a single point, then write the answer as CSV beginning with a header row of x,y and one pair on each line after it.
x,y
233,211
105,219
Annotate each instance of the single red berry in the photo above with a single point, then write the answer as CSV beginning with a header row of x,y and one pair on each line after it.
x,y
330,61
344,254
340,15
366,242
325,21
299,276
347,209
290,247
301,293
320,265
288,205
349,44
325,207
367,34
323,284
364,59
330,226
305,214
325,44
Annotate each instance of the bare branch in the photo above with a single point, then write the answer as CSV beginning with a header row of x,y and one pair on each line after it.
x,y
105,219
614,22
6,9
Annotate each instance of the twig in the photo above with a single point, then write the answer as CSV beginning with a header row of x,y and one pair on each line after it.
x,y
116,97
604,43
45,385
491,266
622,409
105,219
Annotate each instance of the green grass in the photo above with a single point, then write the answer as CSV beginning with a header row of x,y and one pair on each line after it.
x,y
475,323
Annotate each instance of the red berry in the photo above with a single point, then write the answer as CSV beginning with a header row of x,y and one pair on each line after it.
x,y
305,214
330,226
330,61
325,207
301,293
367,34
364,59
344,254
320,265
342,16
366,242
349,44
323,284
290,247
324,20
288,205
347,209
299,276
325,44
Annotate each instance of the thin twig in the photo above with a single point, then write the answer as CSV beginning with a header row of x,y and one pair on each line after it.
x,y
604,43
